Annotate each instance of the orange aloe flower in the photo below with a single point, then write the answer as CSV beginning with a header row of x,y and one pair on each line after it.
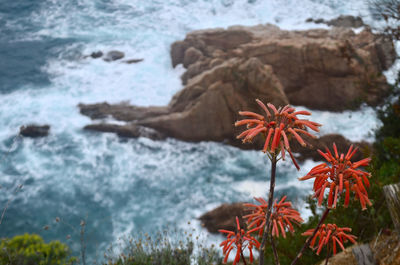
x,y
338,175
329,235
277,126
282,216
241,240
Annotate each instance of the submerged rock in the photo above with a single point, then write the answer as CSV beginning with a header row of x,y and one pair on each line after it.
x,y
131,61
113,56
34,131
96,55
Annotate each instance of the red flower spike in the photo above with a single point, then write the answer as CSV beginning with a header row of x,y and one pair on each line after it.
x,y
338,171
239,240
329,235
278,127
282,216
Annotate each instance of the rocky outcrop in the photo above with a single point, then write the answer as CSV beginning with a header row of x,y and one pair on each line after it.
x,y
206,109
341,21
34,131
223,217
121,112
339,68
228,68
129,130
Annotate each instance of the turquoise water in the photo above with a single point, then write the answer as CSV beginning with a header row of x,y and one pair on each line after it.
x,y
121,186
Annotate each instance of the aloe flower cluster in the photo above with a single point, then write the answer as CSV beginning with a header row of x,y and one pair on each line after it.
x,y
329,235
282,216
270,218
338,175
239,240
278,126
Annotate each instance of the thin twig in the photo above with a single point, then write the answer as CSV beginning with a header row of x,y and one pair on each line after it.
x,y
268,214
308,241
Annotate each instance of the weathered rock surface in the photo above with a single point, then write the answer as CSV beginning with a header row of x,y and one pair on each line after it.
x,y
228,68
129,130
341,21
113,56
34,131
223,217
96,55
121,112
131,61
321,69
206,109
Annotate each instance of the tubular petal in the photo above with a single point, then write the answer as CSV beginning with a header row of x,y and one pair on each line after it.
x,y
263,107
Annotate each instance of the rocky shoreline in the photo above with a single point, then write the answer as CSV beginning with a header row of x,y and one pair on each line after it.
x,y
226,69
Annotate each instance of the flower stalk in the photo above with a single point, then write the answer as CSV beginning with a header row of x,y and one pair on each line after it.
x,y
268,214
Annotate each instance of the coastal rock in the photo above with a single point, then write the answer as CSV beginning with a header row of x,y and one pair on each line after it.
x,y
191,56
34,131
96,55
113,56
341,21
206,109
223,217
129,130
131,61
227,69
338,67
121,112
